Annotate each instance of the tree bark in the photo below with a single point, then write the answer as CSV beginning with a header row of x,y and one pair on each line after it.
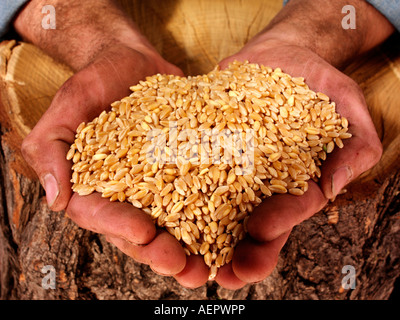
x,y
360,229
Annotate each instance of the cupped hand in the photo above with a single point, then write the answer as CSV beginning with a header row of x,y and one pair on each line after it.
x,y
270,224
83,97
87,33
108,78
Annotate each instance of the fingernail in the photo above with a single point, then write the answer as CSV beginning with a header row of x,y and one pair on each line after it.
x,y
51,187
340,178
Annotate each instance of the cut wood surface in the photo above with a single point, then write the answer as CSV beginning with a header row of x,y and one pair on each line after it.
x,y
361,228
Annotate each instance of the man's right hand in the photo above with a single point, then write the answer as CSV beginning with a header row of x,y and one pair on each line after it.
x,y
109,55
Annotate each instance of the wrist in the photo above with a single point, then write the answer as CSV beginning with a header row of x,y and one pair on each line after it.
x,y
317,26
83,30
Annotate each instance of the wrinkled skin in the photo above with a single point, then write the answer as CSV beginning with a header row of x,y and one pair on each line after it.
x,y
107,77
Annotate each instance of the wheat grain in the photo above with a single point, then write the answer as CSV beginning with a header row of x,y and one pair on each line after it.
x,y
198,154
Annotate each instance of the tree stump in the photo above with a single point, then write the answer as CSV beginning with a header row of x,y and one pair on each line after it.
x,y
359,231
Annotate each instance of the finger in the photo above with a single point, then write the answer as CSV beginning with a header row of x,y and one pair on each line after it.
x,y
46,146
127,248
195,273
363,150
227,278
81,98
345,165
253,261
278,214
45,153
117,219
164,254
360,153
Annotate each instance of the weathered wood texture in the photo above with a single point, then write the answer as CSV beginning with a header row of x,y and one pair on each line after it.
x,y
195,35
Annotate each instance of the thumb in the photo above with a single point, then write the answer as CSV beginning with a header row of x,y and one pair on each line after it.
x,y
45,148
357,155
45,152
345,165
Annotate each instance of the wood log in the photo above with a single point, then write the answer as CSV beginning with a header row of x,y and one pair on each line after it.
x,y
361,228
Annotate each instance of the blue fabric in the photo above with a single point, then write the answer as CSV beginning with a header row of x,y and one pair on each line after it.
x,y
8,10
389,8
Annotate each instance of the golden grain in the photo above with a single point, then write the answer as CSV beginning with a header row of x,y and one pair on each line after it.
x,y
188,175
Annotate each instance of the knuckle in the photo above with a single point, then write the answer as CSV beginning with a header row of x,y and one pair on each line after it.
x,y
368,155
372,148
30,148
376,151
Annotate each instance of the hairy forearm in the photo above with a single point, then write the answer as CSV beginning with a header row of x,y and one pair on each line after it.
x,y
317,25
83,29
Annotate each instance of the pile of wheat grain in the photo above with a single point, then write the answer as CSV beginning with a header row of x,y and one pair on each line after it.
x,y
199,153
